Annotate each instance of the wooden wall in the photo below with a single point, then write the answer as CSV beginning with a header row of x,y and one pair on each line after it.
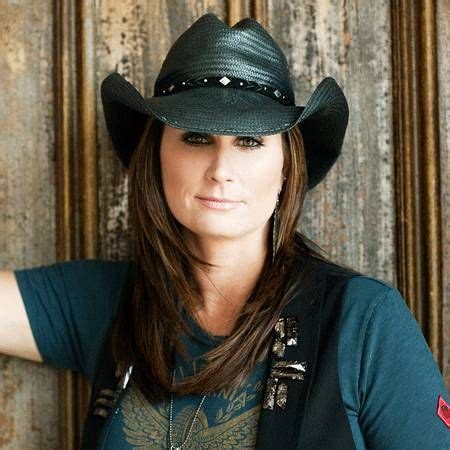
x,y
28,391
443,52
63,191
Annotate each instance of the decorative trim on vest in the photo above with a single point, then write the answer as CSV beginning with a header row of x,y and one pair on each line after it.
x,y
286,334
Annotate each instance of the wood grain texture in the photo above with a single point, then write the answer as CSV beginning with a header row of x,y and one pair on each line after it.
x,y
443,51
28,390
351,213
76,170
237,10
416,139
67,240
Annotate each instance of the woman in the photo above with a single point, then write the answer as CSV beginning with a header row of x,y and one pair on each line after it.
x,y
226,329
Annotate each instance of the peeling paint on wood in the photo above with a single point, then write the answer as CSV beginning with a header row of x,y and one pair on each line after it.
x,y
351,213
28,390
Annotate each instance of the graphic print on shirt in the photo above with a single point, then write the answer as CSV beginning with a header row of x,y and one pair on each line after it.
x,y
145,426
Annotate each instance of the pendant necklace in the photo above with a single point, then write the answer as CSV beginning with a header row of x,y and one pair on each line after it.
x,y
179,447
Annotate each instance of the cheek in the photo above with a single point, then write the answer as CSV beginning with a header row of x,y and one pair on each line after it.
x,y
269,174
180,175
263,185
177,172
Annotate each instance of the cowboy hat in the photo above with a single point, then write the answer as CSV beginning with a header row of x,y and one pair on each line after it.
x,y
228,80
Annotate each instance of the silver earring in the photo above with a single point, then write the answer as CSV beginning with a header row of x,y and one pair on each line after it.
x,y
275,225
275,229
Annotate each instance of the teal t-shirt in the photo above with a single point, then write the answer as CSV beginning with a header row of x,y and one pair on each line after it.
x,y
227,419
388,378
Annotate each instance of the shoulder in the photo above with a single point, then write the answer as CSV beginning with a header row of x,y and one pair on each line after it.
x,y
365,291
367,303
94,274
79,288
358,298
95,267
99,278
357,289
82,268
70,305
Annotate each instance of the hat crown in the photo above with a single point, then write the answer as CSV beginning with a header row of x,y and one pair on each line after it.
x,y
209,47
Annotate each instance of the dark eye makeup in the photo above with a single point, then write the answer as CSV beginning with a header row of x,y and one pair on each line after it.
x,y
186,137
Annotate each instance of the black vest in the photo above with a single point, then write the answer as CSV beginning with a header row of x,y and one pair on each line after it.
x,y
313,416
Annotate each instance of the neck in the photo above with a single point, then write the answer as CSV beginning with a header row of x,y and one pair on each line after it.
x,y
227,287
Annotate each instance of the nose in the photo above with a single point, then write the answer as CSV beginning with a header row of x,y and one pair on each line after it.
x,y
221,165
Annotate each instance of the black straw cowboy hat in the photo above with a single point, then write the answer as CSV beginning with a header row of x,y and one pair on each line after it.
x,y
218,79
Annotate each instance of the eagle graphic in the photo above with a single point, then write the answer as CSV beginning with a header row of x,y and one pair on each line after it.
x,y
146,425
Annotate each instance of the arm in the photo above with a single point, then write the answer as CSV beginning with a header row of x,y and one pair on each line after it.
x,y
68,308
16,337
400,382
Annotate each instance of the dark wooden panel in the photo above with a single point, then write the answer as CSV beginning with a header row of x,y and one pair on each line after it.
x,y
416,139
76,171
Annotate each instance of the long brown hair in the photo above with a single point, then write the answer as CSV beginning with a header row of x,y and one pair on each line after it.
x,y
146,329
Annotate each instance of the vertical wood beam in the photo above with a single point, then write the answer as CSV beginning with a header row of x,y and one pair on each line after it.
x,y
65,206
259,9
416,143
86,133
236,10
76,173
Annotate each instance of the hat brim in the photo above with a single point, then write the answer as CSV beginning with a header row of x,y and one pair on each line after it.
x,y
231,111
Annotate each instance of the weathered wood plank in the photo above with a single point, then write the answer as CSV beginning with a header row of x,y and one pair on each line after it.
x,y
351,213
28,390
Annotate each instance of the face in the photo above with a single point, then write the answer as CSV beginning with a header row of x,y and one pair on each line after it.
x,y
244,169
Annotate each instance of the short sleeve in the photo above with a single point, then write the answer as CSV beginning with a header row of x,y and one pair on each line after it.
x,y
70,306
399,381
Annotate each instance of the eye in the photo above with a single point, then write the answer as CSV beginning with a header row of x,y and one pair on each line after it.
x,y
252,139
193,138
196,139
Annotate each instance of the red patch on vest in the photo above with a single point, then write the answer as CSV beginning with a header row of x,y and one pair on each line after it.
x,y
443,410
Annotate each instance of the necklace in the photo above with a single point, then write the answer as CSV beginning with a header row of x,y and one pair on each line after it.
x,y
178,447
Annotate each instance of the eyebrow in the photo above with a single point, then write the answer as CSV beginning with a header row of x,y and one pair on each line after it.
x,y
207,134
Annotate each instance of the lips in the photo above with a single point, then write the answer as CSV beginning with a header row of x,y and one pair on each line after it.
x,y
219,205
215,199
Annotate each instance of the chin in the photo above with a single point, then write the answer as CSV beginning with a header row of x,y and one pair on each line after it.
x,y
216,231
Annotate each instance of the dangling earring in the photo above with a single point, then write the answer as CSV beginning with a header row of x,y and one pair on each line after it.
x,y
275,224
275,229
